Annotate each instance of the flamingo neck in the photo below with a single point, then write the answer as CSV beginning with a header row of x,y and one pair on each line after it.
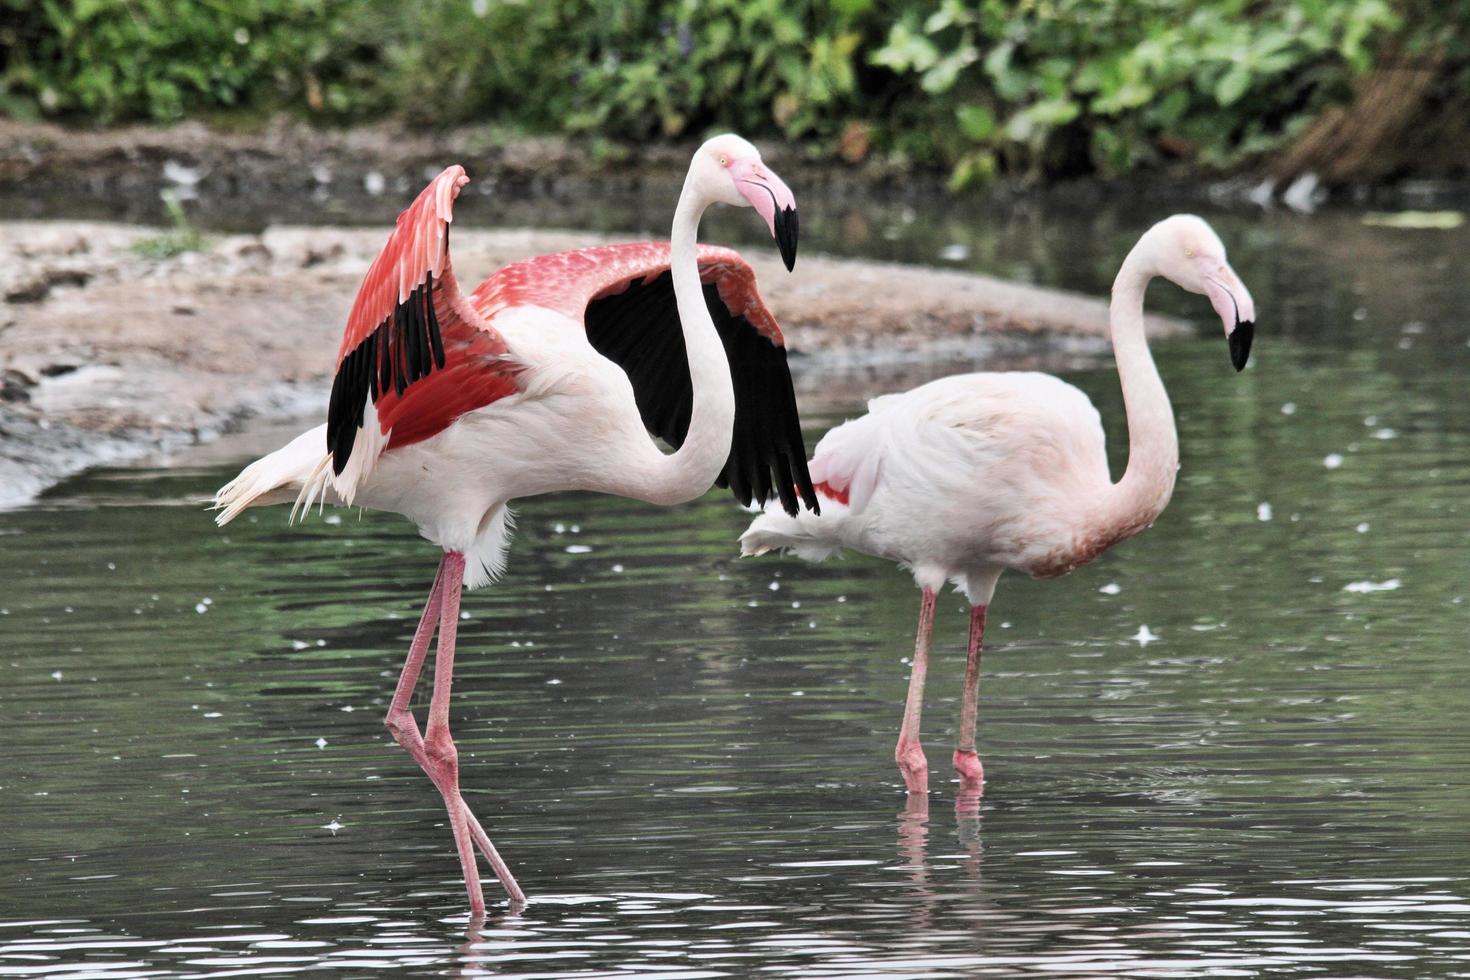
x,y
690,471
1135,501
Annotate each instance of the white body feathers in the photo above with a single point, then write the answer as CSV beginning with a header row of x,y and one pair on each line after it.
x,y
957,479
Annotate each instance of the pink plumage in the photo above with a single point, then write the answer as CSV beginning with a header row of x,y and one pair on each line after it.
x,y
550,376
966,477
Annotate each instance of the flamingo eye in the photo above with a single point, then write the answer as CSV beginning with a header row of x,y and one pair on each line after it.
x,y
1189,253
724,160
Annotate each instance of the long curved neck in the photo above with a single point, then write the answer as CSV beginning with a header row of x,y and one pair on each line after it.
x,y
1139,497
691,470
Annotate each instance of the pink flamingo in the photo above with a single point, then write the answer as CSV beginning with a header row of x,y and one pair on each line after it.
x,y
549,376
967,476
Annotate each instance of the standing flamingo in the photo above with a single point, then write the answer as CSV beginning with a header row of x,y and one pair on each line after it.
x,y
549,376
962,478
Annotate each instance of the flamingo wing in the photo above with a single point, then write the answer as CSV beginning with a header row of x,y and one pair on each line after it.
x,y
624,295
416,354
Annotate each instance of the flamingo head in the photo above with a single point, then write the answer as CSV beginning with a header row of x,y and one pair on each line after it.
x,y
729,170
1189,253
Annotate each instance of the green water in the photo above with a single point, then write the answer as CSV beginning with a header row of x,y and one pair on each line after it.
x,y
686,757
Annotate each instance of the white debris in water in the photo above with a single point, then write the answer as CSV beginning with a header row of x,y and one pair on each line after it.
x,y
559,528
1363,527
321,743
1365,587
578,549
1304,194
332,519
957,252
1385,433
1261,194
334,826
1289,408
617,568
554,681
299,644
1263,511
774,586
842,598
1112,588
1332,460
1144,636
796,605
213,714
56,675
374,183
576,529
201,607
464,615
177,173
798,694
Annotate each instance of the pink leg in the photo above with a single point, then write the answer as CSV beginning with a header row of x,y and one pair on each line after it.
x,y
909,753
438,757
966,762
399,720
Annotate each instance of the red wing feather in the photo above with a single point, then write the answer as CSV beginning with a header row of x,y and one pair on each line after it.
x,y
412,335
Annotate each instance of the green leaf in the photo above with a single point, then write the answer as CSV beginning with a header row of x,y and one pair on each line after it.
x,y
1232,84
976,121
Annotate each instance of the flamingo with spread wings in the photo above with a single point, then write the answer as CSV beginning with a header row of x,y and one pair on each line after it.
x,y
549,376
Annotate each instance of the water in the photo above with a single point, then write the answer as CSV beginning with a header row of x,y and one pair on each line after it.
x,y
686,757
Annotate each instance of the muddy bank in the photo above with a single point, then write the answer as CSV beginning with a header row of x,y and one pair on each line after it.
x,y
287,171
107,354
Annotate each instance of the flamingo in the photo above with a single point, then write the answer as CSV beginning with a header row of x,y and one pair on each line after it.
x,y
549,376
965,477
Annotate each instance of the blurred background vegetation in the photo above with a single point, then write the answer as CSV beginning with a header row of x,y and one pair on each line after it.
x,y
1358,89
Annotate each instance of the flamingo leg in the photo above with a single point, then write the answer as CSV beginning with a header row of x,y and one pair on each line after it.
x,y
909,753
399,720
966,762
438,756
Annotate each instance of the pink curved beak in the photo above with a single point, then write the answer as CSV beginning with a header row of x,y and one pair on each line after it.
x,y
1237,311
772,200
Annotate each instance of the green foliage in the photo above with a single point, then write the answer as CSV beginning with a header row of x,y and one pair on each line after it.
x,y
1128,80
110,60
629,70
982,86
182,237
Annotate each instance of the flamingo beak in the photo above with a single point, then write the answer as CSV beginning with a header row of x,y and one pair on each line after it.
x,y
773,201
1237,311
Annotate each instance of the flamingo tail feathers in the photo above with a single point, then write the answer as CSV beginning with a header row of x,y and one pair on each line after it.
x,y
298,472
807,535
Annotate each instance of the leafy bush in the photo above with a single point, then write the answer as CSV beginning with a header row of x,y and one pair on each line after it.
x,y
982,86
112,60
628,70
1126,81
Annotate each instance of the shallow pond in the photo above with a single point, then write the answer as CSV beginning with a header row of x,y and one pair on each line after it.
x,y
1235,745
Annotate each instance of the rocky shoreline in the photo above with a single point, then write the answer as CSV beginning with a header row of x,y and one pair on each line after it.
x,y
108,354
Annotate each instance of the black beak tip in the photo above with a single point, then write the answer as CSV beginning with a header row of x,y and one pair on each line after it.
x,y
787,232
1240,343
